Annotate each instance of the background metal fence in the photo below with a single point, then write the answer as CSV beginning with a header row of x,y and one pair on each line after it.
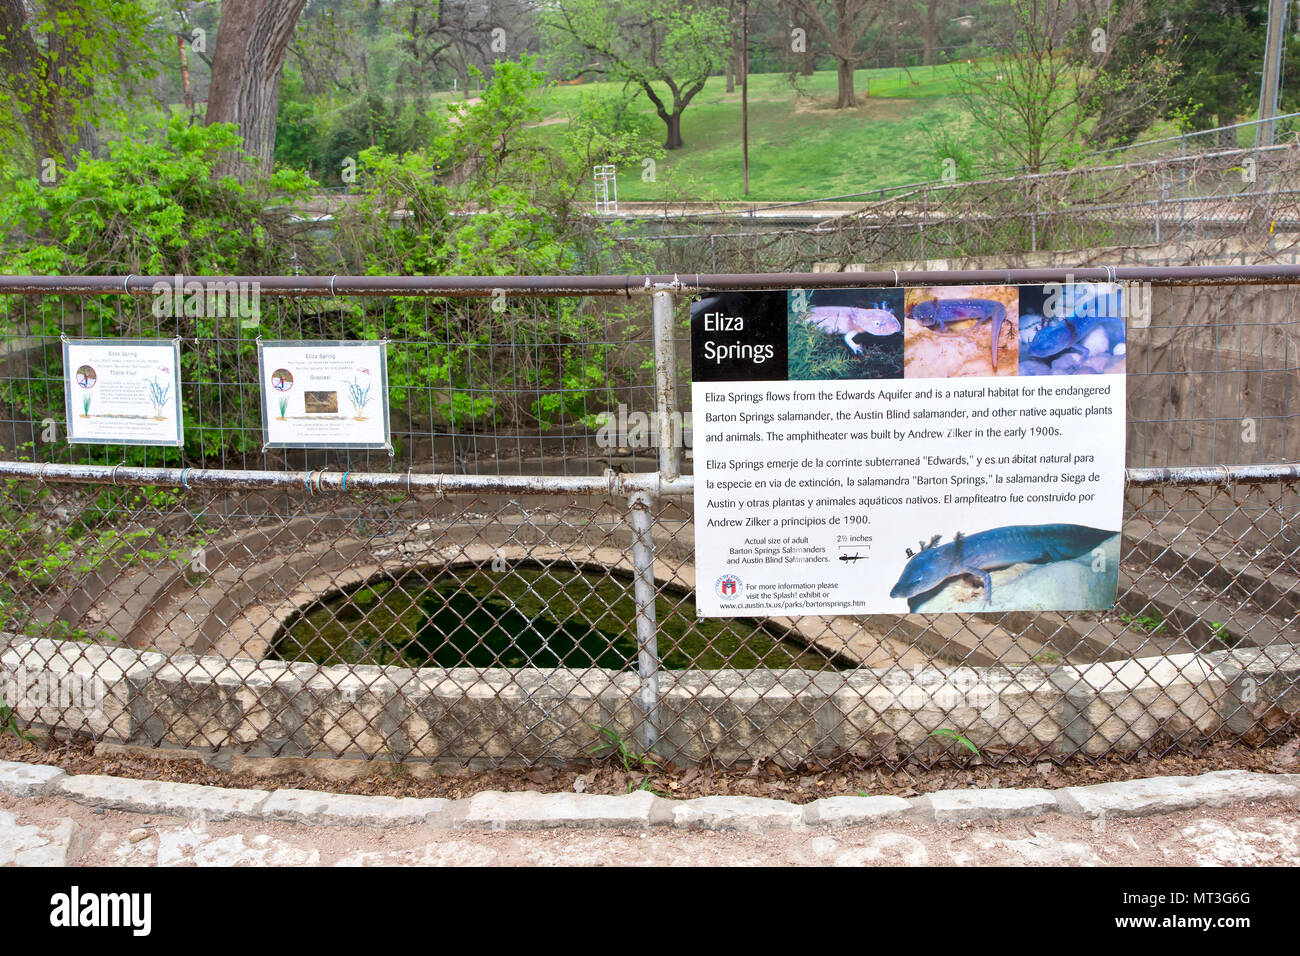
x,y
512,582
1196,188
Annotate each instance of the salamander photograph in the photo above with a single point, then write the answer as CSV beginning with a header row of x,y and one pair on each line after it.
x,y
962,331
846,334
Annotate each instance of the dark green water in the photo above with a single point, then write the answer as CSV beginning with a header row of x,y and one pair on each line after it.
x,y
529,616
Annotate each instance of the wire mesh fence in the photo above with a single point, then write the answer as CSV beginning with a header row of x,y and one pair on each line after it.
x,y
514,384
474,387
518,578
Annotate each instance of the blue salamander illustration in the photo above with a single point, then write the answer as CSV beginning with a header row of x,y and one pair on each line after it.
x,y
986,551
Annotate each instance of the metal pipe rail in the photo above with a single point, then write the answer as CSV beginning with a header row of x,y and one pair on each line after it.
x,y
649,285
1212,475
614,484
320,480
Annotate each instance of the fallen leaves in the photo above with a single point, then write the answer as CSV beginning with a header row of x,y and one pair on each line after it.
x,y
1280,752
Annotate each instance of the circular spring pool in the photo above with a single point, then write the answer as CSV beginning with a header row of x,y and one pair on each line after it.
x,y
527,616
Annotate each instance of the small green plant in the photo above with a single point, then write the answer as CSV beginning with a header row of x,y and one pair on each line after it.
x,y
1152,623
85,554
644,785
949,732
9,725
613,745
814,354
1221,633
58,630
38,555
1047,657
284,405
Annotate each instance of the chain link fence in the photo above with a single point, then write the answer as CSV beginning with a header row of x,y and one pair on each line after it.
x,y
533,599
1197,188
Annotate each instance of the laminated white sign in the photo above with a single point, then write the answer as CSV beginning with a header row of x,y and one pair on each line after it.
x,y
890,450
324,394
122,391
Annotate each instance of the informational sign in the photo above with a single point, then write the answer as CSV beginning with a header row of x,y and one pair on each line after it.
x,y
324,394
122,391
863,451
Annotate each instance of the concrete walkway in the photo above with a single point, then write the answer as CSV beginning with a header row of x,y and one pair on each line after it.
x,y
55,831
1229,818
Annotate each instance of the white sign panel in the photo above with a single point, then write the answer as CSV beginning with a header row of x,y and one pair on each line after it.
x,y
122,391
324,394
869,451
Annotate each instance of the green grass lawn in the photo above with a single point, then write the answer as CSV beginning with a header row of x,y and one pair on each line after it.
x,y
800,147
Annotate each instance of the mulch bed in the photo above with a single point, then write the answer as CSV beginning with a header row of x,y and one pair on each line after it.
x,y
1280,754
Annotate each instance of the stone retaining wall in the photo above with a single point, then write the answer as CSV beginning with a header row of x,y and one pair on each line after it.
x,y
462,715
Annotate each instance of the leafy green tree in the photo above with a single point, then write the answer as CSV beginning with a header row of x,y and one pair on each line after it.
x,y
484,197
524,222
605,128
1051,63
330,48
1026,95
841,24
1129,53
61,61
154,205
1209,52
651,44
1220,50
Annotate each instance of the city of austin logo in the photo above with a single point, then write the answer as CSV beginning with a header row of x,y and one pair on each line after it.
x,y
728,586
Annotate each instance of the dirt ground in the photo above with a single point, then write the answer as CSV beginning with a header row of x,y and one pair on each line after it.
x,y
1281,754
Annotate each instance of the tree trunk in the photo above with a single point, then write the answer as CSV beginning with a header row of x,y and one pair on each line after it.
x,y
1226,137
893,38
930,32
45,98
807,63
844,75
185,77
732,69
66,52
252,38
674,123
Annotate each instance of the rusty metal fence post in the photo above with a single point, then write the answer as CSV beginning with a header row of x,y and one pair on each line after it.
x,y
666,386
641,506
